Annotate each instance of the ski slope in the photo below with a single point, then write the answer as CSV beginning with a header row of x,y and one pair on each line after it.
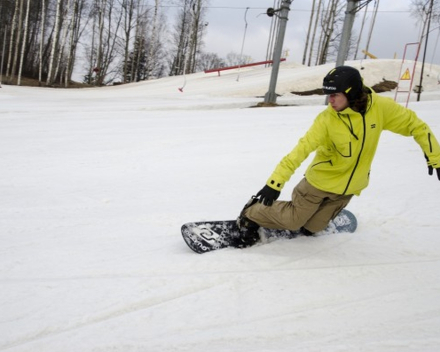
x,y
95,184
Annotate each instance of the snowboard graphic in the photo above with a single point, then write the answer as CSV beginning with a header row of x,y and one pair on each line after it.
x,y
206,236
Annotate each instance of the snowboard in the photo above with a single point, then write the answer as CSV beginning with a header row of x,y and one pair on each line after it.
x,y
207,236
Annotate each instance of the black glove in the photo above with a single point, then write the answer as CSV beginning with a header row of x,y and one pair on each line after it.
x,y
431,171
267,195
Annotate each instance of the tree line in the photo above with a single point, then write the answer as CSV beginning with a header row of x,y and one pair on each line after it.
x,y
130,40
117,40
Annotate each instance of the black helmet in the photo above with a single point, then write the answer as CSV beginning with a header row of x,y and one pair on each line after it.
x,y
343,79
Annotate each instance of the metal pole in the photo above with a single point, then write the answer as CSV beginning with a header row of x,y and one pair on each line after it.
x,y
271,96
424,52
350,14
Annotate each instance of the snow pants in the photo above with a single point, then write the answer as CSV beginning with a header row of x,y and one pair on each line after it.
x,y
310,208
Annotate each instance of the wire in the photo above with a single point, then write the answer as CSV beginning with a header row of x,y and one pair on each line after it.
x,y
242,45
265,8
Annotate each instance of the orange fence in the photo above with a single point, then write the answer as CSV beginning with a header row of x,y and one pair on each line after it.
x,y
240,66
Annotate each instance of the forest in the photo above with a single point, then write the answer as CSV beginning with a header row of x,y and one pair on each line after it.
x,y
123,41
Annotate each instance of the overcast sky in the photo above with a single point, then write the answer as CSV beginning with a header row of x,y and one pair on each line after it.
x,y
393,29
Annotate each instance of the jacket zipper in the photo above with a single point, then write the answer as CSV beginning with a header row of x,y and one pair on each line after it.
x,y
359,156
350,127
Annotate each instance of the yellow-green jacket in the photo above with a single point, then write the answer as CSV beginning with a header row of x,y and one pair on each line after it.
x,y
345,143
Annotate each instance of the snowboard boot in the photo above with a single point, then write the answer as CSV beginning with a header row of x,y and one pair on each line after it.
x,y
248,235
306,232
241,220
248,229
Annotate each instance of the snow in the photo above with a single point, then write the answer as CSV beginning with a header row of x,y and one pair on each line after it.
x,y
95,184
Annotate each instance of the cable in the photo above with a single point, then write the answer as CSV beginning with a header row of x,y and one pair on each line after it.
x,y
242,45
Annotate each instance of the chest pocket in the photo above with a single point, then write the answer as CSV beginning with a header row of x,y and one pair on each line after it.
x,y
342,144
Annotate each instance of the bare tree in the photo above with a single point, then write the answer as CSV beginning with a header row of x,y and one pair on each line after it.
x,y
234,59
67,15
188,37
148,57
26,22
43,36
153,39
129,23
50,77
318,14
194,36
103,51
312,13
42,29
13,38
328,27
79,8
18,39
325,30
138,54
101,7
181,39
108,41
209,61
420,8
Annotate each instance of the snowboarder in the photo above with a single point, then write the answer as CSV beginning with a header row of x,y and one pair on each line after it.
x,y
345,137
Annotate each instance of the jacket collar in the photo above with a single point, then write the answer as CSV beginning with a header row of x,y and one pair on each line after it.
x,y
349,111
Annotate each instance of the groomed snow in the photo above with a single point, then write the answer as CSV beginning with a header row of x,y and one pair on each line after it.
x,y
95,184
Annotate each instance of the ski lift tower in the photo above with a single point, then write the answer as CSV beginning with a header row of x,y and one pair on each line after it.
x,y
353,6
271,96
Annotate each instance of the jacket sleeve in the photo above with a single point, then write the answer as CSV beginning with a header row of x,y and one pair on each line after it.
x,y
404,121
307,144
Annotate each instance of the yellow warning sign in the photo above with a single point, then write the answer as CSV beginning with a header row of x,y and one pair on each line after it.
x,y
406,75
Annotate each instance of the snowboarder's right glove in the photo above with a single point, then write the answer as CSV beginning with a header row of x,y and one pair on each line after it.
x,y
268,195
431,169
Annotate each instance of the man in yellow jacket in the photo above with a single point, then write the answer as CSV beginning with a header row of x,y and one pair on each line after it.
x,y
345,137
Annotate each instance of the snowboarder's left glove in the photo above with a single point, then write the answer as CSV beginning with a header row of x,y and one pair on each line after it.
x,y
268,195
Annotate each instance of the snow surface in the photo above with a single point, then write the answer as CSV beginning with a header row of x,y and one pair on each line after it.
x,y
95,184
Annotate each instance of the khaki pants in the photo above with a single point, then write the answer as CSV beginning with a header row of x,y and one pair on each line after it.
x,y
310,208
